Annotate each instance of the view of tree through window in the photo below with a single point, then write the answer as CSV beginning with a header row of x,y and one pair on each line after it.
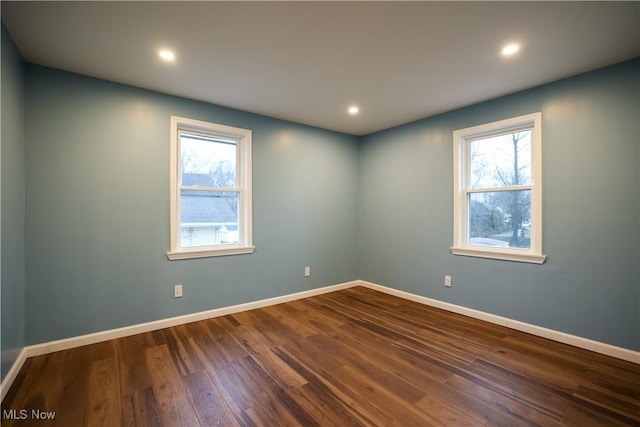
x,y
499,190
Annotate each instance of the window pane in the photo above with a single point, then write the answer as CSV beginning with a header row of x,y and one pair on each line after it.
x,y
208,218
207,162
500,219
501,161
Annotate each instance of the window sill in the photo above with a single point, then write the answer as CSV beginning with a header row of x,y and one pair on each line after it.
x,y
208,252
500,255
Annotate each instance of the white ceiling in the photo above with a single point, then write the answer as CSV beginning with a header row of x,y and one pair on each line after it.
x,y
308,61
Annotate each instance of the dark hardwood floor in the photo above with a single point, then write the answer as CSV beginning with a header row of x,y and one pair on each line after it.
x,y
353,357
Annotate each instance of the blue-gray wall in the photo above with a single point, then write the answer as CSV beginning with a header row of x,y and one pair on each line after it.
x,y
590,284
98,209
12,151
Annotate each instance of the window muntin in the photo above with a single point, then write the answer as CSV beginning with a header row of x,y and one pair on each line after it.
x,y
497,190
210,190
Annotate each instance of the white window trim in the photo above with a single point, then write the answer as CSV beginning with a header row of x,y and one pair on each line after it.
x,y
461,173
244,180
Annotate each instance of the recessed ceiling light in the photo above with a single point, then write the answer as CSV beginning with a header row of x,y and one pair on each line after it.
x,y
167,55
510,49
353,110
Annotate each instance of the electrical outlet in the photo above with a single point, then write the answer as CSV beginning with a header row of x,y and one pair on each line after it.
x,y
177,291
307,271
447,281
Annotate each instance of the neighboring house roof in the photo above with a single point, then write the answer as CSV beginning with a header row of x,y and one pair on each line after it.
x,y
199,179
204,206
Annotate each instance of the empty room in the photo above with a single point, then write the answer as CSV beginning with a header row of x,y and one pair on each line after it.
x,y
320,213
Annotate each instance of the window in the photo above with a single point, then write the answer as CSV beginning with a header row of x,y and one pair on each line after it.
x,y
210,190
497,190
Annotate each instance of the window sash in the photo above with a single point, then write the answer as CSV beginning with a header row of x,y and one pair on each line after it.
x,y
492,134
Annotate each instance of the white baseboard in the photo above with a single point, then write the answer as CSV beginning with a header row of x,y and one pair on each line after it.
x,y
587,344
68,343
13,373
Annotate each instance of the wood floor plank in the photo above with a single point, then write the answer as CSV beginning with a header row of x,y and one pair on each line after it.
x,y
238,396
529,389
175,408
132,368
560,379
273,397
145,407
355,357
182,353
383,398
627,410
415,368
208,402
406,329
74,382
258,346
350,402
306,310
467,402
396,385
282,316
128,412
324,408
227,343
103,400
624,388
578,415
511,404
445,413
